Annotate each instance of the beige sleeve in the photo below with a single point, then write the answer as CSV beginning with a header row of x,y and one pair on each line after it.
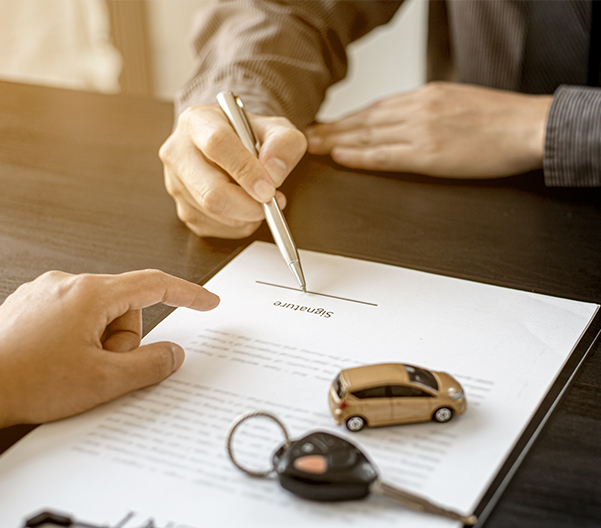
x,y
279,56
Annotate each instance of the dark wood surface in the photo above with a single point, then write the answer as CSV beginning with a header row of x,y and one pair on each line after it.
x,y
82,191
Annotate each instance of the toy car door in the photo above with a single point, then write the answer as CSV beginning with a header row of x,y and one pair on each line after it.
x,y
374,405
409,404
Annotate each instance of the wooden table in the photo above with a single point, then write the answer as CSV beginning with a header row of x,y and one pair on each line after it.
x,y
82,191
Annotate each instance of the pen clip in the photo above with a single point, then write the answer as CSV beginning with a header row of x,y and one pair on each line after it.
x,y
234,110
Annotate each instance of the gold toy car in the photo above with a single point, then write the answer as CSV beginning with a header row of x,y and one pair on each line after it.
x,y
393,393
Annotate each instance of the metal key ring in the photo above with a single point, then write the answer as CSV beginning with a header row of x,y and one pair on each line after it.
x,y
230,440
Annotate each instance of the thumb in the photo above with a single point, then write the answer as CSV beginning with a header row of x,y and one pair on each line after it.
x,y
146,365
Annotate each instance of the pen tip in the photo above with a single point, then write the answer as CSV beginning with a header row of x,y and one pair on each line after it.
x,y
304,289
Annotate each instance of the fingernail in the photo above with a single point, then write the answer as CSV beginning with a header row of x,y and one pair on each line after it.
x,y
264,191
216,300
178,356
276,168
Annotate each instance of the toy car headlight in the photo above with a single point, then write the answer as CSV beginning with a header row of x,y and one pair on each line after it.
x,y
455,394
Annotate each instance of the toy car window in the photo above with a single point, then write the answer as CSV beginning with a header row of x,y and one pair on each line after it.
x,y
339,387
419,375
397,391
372,392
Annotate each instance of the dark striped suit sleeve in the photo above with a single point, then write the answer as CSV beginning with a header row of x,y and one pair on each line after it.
x,y
572,156
280,57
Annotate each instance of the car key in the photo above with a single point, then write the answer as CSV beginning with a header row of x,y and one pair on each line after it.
x,y
324,467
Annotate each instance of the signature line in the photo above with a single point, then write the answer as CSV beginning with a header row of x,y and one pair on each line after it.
x,y
315,293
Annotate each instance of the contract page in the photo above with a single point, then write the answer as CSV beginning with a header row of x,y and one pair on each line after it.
x,y
159,454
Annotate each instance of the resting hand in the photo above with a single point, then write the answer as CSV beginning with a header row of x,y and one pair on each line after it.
x,y
441,129
216,182
71,342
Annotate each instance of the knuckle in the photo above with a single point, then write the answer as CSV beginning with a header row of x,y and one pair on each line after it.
x,y
154,274
185,214
435,88
433,149
194,221
384,102
170,186
57,281
213,142
380,158
366,135
370,116
288,136
299,141
243,170
85,280
163,365
214,200
369,119
294,138
431,142
290,148
53,275
434,96
86,285
187,116
426,131
166,151
430,155
156,278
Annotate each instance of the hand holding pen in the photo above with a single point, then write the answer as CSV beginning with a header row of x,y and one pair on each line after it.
x,y
215,180
234,110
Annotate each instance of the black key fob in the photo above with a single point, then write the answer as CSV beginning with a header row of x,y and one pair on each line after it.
x,y
324,467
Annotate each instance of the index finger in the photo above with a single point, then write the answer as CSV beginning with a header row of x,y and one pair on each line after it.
x,y
392,110
135,290
216,139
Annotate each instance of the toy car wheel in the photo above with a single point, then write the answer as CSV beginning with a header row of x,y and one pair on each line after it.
x,y
444,414
355,423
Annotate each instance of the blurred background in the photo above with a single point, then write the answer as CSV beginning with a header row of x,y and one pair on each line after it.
x,y
140,47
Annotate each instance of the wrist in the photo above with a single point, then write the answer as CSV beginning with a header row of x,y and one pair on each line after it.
x,y
539,113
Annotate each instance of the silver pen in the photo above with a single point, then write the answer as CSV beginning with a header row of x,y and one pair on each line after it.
x,y
234,110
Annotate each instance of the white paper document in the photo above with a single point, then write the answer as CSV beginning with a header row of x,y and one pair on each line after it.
x,y
159,453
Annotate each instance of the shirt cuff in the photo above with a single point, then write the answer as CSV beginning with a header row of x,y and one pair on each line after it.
x,y
572,156
254,96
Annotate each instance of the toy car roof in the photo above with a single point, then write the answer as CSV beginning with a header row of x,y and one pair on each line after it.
x,y
371,375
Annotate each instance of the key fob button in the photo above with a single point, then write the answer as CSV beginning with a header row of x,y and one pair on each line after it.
x,y
308,447
314,464
333,470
